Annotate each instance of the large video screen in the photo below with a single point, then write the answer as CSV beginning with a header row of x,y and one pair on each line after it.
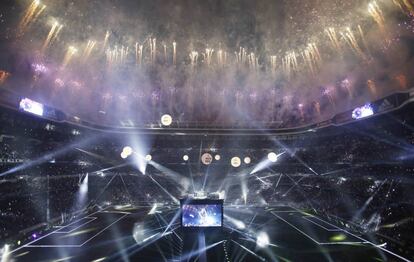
x,y
202,215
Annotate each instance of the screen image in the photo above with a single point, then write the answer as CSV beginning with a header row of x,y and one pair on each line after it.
x,y
201,215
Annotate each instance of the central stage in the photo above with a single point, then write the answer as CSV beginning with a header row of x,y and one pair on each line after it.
x,y
113,234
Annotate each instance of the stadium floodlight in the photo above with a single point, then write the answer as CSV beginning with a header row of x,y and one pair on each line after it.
x,y
272,157
262,240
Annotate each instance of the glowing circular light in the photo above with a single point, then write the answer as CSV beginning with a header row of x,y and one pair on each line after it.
x,y
166,120
186,157
124,155
127,150
206,159
272,157
217,157
236,161
148,157
247,160
262,240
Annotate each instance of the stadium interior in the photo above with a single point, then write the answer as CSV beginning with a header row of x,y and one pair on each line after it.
x,y
215,130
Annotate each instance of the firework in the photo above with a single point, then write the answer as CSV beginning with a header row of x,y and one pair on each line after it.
x,y
153,49
346,84
220,57
208,56
312,57
253,61
318,108
194,58
138,54
364,41
154,44
3,76
165,53
174,53
52,36
273,63
30,16
406,6
350,39
372,87
88,49
375,11
69,55
402,81
333,39
290,63
106,40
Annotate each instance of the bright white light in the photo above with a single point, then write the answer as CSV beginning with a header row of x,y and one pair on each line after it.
x,y
236,161
124,155
247,160
206,159
239,224
5,253
153,209
148,158
262,240
363,111
166,120
272,157
217,157
84,186
127,150
31,106
186,157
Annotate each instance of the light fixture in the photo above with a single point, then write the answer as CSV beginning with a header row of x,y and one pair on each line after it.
x,y
247,160
124,155
127,150
217,157
186,157
272,157
235,161
166,120
148,157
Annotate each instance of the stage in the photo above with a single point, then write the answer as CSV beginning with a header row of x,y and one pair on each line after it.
x,y
107,235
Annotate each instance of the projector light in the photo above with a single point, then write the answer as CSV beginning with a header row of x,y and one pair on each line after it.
x,y
148,158
185,158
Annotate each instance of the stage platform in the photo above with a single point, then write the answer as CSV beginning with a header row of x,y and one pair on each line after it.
x,y
107,235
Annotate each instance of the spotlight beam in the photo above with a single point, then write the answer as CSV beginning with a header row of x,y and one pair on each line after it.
x,y
197,252
176,177
249,251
